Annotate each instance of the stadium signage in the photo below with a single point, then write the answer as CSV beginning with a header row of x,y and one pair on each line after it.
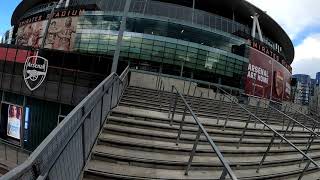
x,y
262,48
45,15
35,71
258,73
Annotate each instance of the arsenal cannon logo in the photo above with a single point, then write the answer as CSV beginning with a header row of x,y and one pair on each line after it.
x,y
35,71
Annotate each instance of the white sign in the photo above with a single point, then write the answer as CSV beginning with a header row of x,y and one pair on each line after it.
x,y
35,71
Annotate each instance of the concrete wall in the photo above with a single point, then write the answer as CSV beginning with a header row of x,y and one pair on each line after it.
x,y
139,79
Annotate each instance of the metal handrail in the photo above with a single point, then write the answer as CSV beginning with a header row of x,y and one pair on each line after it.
x,y
295,110
227,169
313,134
272,140
52,151
286,115
16,148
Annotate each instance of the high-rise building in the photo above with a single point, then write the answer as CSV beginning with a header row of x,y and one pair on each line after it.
x,y
318,78
7,37
304,89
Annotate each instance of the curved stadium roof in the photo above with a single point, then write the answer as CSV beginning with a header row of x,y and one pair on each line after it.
x,y
227,8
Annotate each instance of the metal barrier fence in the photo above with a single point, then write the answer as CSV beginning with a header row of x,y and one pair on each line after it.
x,y
289,110
225,97
187,109
63,154
12,153
253,118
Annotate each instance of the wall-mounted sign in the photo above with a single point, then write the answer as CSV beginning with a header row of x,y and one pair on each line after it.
x,y
35,71
266,77
61,31
14,121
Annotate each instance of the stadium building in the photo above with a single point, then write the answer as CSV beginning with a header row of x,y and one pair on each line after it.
x,y
231,43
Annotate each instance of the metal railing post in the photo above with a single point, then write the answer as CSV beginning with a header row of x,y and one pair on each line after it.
x,y
244,131
5,151
17,154
283,117
192,99
304,170
256,113
228,116
285,133
199,103
293,125
267,119
181,125
161,96
219,109
171,101
266,153
307,150
223,174
194,148
174,108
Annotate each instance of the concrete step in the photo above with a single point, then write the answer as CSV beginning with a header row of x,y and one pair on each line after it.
x,y
239,115
190,138
180,161
164,126
171,147
97,169
132,112
147,93
137,142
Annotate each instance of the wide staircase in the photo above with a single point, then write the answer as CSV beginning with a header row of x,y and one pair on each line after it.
x,y
139,141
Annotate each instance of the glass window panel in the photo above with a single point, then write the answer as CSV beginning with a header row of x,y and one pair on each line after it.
x,y
159,59
221,67
185,48
123,54
145,57
182,53
136,40
170,45
202,52
168,55
136,45
134,55
194,50
135,50
159,43
168,50
145,46
202,57
147,52
147,41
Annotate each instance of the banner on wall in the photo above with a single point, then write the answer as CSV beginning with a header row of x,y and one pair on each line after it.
x,y
14,121
266,77
61,32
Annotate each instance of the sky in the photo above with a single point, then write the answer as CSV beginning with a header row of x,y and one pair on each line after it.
x,y
299,18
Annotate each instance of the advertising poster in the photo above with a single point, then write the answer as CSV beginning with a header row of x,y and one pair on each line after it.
x,y
14,121
266,77
61,31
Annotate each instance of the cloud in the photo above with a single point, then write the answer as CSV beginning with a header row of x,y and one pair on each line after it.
x,y
307,58
301,20
293,15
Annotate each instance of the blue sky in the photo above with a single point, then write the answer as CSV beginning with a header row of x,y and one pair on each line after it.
x,y
6,9
299,18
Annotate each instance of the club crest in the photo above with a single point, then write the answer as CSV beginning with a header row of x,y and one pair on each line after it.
x,y
35,71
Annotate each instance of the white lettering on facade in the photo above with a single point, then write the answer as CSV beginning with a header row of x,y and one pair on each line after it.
x,y
257,73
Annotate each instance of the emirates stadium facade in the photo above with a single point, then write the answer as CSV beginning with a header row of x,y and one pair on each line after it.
x,y
200,39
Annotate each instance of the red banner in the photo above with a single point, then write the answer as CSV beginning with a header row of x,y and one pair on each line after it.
x,y
266,77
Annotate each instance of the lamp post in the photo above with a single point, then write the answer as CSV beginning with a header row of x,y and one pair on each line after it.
x,y
120,36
